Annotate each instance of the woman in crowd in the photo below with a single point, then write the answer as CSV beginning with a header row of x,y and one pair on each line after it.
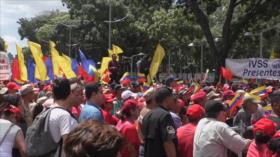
x,y
93,139
126,126
11,136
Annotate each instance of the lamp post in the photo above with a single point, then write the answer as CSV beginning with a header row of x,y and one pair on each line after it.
x,y
201,54
260,34
70,36
110,24
131,60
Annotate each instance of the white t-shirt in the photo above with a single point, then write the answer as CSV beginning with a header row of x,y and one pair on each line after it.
x,y
61,123
212,139
8,143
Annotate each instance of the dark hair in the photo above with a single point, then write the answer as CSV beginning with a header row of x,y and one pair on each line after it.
x,y
13,99
93,139
61,89
261,138
162,93
90,88
274,145
213,108
37,110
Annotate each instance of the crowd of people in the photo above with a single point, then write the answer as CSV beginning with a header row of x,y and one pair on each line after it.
x,y
71,118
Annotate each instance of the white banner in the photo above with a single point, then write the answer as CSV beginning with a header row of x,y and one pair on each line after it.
x,y
4,66
255,68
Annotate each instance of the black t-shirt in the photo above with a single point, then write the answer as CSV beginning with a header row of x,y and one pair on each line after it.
x,y
158,127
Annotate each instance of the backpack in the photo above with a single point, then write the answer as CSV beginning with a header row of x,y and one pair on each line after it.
x,y
38,136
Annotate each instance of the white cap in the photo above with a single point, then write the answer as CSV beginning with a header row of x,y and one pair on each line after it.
x,y
128,94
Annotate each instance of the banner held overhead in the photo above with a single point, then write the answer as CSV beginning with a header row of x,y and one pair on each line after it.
x,y
255,68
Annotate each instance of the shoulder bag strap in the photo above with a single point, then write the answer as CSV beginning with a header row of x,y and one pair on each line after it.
x,y
6,133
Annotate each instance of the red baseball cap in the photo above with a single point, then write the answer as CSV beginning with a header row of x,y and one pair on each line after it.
x,y
13,86
128,105
265,126
195,111
198,95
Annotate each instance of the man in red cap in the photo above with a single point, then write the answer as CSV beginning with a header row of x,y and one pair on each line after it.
x,y
185,133
264,130
107,107
12,87
199,98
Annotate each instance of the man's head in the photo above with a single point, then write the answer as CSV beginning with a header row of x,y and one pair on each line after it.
x,y
135,87
195,113
61,89
13,87
275,102
27,93
114,57
149,96
77,88
130,109
171,82
216,109
199,98
94,93
264,129
90,138
250,104
165,97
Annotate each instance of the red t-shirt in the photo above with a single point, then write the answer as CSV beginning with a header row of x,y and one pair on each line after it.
x,y
109,119
128,130
259,151
185,136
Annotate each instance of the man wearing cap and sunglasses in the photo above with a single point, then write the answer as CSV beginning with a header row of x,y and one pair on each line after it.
x,y
213,137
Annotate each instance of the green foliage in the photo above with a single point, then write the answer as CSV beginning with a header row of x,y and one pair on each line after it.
x,y
2,44
148,22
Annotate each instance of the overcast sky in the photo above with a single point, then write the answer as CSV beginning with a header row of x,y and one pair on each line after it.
x,y
12,10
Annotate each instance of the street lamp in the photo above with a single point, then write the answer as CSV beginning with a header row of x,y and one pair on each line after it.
x,y
260,34
70,36
201,54
131,60
110,23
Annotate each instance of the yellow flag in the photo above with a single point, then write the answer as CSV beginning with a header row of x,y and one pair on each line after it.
x,y
57,71
157,59
104,64
273,54
40,69
66,66
22,67
117,49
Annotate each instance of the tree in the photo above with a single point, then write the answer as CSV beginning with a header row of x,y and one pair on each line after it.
x,y
240,15
2,44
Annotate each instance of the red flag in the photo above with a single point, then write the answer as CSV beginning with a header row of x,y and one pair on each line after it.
x,y
226,73
15,70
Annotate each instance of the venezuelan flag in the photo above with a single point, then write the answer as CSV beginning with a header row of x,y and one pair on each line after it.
x,y
259,90
126,76
267,110
235,102
141,78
